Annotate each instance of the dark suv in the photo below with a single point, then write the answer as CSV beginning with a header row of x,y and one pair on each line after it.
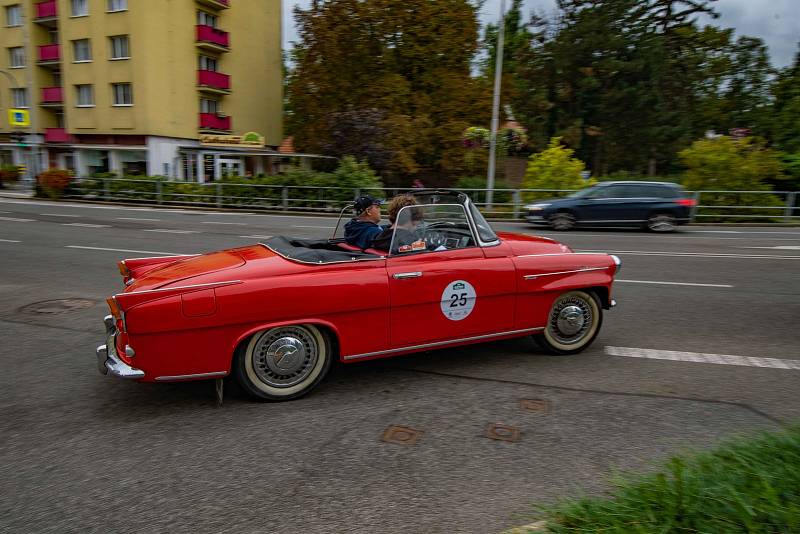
x,y
657,206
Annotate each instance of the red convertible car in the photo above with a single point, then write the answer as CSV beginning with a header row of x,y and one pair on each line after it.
x,y
276,314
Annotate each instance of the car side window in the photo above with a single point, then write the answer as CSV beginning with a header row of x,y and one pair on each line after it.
x,y
643,191
431,228
614,191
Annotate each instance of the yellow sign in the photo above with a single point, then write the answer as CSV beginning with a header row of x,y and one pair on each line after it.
x,y
248,140
19,117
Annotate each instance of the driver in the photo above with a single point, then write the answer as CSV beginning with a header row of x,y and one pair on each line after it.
x,y
403,231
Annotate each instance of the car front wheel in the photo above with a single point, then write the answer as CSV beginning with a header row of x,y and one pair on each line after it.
x,y
573,323
562,221
283,363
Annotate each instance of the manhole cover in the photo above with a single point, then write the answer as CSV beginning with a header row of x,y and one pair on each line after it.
x,y
502,432
51,307
535,405
401,435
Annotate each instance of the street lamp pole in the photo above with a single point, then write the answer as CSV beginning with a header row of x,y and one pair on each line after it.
x,y
498,71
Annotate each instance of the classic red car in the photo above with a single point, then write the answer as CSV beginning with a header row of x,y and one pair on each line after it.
x,y
276,314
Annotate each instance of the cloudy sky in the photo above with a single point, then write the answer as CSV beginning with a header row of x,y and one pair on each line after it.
x,y
777,22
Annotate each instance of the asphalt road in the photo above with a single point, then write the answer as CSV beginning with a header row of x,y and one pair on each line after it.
x,y
703,345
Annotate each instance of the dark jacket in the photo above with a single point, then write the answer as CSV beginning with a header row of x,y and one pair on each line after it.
x,y
403,237
360,233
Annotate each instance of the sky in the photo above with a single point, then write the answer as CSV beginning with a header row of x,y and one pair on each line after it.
x,y
777,22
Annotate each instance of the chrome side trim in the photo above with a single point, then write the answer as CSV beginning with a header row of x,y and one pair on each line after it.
x,y
194,286
169,256
188,377
587,269
443,343
560,254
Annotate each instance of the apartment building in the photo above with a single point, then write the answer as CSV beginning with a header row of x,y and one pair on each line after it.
x,y
189,89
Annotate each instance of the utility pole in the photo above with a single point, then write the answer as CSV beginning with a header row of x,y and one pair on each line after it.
x,y
33,142
498,71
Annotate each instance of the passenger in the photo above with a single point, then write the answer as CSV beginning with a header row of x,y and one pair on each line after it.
x,y
364,226
403,231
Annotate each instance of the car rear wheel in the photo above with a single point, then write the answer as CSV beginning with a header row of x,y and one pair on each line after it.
x,y
562,221
283,363
661,222
573,323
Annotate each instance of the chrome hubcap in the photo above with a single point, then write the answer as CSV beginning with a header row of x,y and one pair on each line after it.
x,y
285,357
662,223
570,320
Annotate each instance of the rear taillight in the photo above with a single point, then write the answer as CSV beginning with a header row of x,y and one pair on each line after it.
x,y
116,313
686,202
123,269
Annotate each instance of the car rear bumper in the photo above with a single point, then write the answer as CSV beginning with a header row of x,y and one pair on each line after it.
x,y
108,362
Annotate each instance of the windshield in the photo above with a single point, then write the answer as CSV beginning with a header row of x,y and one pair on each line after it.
x,y
589,191
485,231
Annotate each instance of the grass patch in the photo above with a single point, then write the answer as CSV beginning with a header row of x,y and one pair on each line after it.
x,y
746,485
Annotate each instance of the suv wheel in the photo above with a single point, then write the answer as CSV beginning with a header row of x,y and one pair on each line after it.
x,y
562,221
661,222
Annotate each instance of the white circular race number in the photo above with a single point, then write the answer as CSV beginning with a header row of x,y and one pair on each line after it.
x,y
458,299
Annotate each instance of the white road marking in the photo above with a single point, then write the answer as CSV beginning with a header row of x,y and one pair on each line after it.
x,y
126,250
671,283
136,219
167,231
86,225
14,219
10,241
219,222
699,357
693,254
326,227
5,212
779,247
58,215
256,236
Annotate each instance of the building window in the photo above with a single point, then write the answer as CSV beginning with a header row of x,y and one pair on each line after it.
x,y
208,63
19,98
209,106
123,94
119,47
206,19
13,16
16,57
80,8
117,5
85,96
81,50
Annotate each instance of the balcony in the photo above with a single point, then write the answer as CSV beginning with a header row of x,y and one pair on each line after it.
x,y
49,55
211,38
46,13
214,122
215,4
213,82
52,97
57,135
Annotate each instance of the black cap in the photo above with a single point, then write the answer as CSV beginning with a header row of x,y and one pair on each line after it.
x,y
361,204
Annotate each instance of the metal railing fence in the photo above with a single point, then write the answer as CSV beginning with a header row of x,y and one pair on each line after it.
x,y
711,206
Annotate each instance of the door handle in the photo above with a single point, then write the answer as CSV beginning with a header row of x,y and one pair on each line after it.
x,y
403,276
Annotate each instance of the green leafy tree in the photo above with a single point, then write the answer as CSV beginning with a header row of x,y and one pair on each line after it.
x,y
786,119
553,168
409,62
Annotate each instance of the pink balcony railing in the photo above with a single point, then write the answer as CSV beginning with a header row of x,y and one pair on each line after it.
x,y
213,79
214,122
46,10
51,52
209,34
57,135
51,95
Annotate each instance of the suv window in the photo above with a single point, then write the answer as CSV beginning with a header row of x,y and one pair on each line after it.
x,y
613,191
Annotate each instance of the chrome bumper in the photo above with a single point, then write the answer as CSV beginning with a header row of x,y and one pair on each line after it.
x,y
107,359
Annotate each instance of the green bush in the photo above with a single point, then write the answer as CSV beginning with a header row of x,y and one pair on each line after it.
x,y
9,173
553,168
747,485
479,182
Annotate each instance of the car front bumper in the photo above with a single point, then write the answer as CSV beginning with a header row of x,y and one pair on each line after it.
x,y
107,359
537,218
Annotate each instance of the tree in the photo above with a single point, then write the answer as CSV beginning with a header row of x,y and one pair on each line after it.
x,y
786,108
729,164
408,63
